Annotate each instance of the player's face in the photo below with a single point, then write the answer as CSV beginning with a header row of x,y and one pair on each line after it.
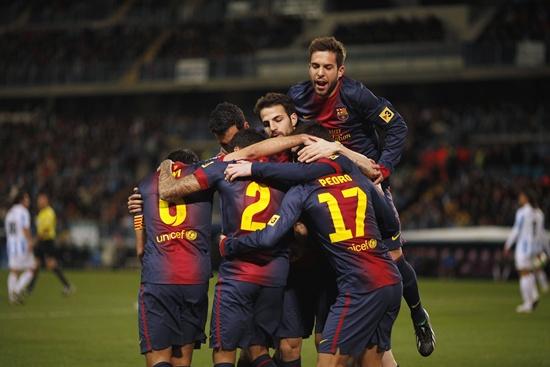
x,y
324,73
26,201
277,122
225,138
42,201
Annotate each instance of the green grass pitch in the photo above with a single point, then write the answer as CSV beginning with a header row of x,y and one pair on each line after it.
x,y
475,322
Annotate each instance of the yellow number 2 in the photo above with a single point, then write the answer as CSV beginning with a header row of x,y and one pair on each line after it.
x,y
247,223
341,233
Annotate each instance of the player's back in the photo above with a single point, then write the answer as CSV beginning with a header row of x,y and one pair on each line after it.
x,y
525,219
17,219
339,208
177,248
247,206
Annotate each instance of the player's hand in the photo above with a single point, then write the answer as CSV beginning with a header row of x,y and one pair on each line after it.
x,y
384,173
239,169
506,252
135,202
371,169
221,244
317,148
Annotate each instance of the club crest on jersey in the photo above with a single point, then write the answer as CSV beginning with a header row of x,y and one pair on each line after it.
x,y
342,113
386,115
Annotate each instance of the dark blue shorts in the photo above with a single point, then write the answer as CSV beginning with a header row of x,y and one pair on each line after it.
x,y
306,302
392,245
171,315
244,314
360,320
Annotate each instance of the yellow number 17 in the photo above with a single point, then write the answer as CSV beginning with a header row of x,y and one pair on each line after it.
x,y
341,233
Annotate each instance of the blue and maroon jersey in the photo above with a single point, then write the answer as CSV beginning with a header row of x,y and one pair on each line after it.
x,y
348,216
177,246
247,206
351,115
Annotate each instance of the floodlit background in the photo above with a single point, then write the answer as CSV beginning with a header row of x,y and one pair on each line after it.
x,y
94,93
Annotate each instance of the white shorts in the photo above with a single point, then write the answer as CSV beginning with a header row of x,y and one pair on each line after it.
x,y
22,262
524,262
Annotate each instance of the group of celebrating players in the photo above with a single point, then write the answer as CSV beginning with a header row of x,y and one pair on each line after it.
x,y
310,235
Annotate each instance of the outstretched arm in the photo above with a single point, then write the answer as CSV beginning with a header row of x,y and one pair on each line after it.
x,y
170,188
268,147
320,148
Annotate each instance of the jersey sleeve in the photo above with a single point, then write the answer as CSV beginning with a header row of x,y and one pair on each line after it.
x,y
209,173
385,217
276,228
25,219
295,173
381,112
515,231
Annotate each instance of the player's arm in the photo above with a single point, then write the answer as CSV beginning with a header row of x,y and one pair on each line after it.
x,y
287,173
381,112
512,237
268,147
277,227
320,148
171,188
386,218
140,236
27,230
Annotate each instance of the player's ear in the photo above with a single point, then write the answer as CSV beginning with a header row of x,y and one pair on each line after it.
x,y
294,119
246,125
341,70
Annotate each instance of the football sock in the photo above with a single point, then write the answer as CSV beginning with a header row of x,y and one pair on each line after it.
x,y
295,363
24,280
61,276
263,361
32,284
533,287
224,365
12,283
525,289
410,290
543,281
163,364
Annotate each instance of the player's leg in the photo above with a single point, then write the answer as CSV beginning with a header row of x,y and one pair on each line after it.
x,y
52,264
267,313
159,358
231,320
372,357
388,360
13,297
425,336
193,311
540,274
158,321
183,357
332,360
527,283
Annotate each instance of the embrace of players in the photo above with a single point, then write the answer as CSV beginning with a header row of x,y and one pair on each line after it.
x,y
287,218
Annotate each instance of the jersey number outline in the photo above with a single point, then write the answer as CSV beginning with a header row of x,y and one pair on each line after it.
x,y
341,233
167,218
247,222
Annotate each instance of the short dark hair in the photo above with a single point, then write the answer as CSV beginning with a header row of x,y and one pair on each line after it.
x,y
224,116
330,44
273,99
19,195
186,156
246,137
314,129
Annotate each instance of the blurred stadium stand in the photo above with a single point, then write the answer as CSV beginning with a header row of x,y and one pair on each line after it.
x,y
93,94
